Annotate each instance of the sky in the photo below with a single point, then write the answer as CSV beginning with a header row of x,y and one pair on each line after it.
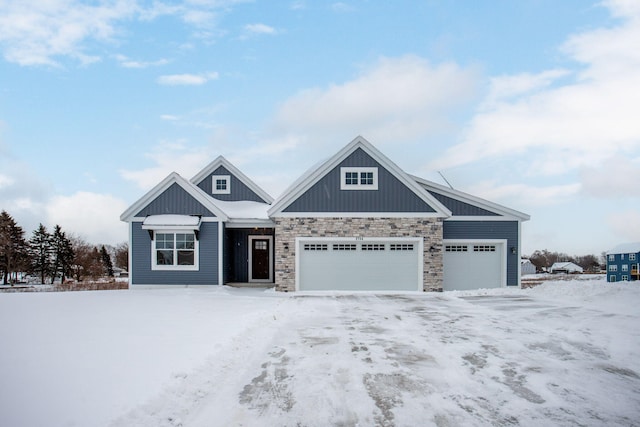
x,y
531,104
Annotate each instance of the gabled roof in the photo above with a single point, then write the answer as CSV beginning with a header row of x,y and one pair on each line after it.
x,y
306,181
173,178
503,211
567,265
626,248
221,161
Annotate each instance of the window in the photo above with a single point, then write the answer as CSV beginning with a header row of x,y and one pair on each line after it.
x,y
484,248
315,247
401,247
625,267
344,247
260,245
174,251
613,268
625,278
373,246
621,256
455,248
612,257
612,278
632,257
221,184
358,178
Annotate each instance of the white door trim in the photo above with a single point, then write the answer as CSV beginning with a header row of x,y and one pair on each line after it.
x,y
250,258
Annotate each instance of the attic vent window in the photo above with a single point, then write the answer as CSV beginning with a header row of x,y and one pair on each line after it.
x,y
221,184
358,178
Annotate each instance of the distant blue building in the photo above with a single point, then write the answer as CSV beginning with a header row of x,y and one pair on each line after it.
x,y
623,262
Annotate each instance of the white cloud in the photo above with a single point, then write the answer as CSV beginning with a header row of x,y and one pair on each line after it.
x,y
616,177
166,158
34,33
130,63
625,225
187,79
259,29
169,117
525,195
396,99
561,121
6,181
90,215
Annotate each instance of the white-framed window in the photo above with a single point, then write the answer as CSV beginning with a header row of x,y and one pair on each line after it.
x,y
174,250
632,257
625,267
612,257
613,267
612,278
625,278
358,178
221,184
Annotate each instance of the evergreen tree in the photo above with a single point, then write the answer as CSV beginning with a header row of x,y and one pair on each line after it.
x,y
40,252
62,254
12,246
106,261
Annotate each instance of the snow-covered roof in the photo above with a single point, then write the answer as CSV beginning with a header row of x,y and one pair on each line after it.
x,y
626,248
568,266
244,209
187,222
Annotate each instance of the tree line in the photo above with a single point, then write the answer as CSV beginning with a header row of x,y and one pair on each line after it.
x,y
544,259
54,255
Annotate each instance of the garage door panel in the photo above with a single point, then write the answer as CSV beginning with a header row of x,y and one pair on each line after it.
x,y
360,266
473,265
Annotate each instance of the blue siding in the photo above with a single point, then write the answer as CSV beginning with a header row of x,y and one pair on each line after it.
x,y
175,200
141,271
459,208
391,196
489,230
239,191
630,260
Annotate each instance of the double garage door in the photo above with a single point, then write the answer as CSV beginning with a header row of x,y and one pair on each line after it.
x,y
359,265
473,265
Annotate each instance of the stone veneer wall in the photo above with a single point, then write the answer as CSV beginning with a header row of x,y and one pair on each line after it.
x,y
287,229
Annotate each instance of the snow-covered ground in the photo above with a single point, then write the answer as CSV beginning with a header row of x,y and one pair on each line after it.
x,y
563,353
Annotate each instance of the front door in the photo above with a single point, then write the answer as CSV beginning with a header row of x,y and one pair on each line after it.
x,y
260,266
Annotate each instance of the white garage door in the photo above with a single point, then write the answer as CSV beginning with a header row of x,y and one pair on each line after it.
x,y
473,265
359,265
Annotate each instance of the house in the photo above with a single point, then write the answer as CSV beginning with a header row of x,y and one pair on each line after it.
x,y
527,267
623,262
565,267
354,222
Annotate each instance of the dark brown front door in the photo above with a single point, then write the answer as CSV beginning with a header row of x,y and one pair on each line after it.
x,y
260,264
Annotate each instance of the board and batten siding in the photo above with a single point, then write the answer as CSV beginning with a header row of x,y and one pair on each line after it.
x,y
142,274
460,208
239,191
467,230
391,195
175,200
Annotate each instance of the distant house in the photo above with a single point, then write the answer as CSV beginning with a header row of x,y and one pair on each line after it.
x,y
566,268
527,267
622,263
354,222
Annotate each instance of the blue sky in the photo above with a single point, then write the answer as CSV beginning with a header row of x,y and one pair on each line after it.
x,y
532,104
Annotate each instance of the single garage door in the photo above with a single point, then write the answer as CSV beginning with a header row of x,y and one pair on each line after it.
x,y
359,265
473,265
